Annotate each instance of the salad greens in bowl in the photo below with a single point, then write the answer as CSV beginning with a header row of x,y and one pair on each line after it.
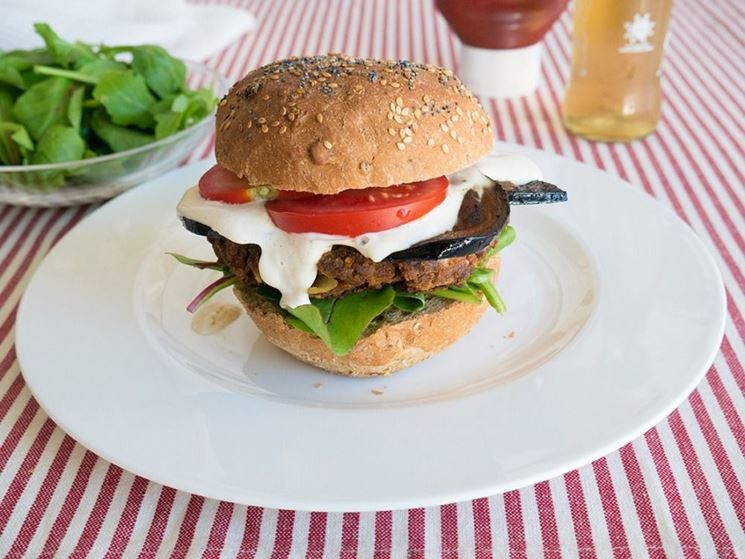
x,y
81,123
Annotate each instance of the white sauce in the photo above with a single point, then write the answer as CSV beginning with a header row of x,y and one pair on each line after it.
x,y
510,167
289,260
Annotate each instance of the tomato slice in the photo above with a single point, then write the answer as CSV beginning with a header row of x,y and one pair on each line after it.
x,y
223,186
355,212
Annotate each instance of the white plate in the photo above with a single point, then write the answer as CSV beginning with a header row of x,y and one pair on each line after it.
x,y
615,312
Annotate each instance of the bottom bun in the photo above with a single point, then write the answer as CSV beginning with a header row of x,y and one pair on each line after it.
x,y
395,341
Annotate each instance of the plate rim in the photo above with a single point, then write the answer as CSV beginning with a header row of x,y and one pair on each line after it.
x,y
300,503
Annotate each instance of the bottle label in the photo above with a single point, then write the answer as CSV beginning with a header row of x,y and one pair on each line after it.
x,y
637,33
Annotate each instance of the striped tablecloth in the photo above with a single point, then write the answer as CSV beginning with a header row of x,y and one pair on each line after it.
x,y
677,491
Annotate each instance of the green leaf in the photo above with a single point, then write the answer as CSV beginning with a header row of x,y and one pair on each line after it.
x,y
177,112
19,135
458,293
506,237
352,315
201,104
30,57
167,124
299,324
199,264
119,138
43,105
98,67
268,292
15,143
59,143
483,279
63,53
163,73
75,108
325,306
61,73
10,70
409,302
180,103
480,275
312,321
341,322
7,100
125,97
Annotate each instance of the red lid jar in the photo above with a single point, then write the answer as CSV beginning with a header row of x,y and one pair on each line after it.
x,y
501,40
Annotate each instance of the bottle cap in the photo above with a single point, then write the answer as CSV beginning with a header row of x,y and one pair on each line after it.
x,y
501,72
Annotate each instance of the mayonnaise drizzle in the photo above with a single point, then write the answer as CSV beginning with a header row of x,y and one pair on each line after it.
x,y
289,261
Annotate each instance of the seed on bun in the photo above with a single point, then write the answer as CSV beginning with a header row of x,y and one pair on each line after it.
x,y
324,124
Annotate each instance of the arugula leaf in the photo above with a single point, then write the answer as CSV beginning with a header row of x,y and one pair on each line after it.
x,y
482,278
409,302
199,264
59,143
268,292
75,108
200,105
167,124
163,73
180,103
10,70
30,57
6,103
61,73
19,135
506,238
43,105
325,306
177,112
98,67
338,322
15,143
462,293
64,53
353,313
119,138
125,97
309,319
298,324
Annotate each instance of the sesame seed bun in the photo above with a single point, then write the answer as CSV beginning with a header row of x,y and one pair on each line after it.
x,y
397,341
324,124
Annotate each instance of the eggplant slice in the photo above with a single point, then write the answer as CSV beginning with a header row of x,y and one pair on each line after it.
x,y
480,220
534,192
195,227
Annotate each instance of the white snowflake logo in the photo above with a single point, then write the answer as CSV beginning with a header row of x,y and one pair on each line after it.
x,y
637,33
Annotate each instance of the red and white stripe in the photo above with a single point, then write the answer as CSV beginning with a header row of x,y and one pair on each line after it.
x,y
678,491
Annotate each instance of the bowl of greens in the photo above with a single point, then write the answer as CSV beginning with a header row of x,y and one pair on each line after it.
x,y
81,123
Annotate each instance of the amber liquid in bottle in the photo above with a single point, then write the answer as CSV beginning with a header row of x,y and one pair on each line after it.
x,y
614,89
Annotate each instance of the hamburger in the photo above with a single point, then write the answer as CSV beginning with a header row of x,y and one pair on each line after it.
x,y
353,209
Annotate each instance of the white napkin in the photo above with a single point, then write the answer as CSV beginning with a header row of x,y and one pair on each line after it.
x,y
186,30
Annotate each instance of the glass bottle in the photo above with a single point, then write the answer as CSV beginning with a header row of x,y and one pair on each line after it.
x,y
614,89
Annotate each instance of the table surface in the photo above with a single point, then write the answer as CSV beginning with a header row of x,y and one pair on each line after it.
x,y
677,491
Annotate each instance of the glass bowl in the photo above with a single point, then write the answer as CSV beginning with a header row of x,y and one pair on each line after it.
x,y
99,178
